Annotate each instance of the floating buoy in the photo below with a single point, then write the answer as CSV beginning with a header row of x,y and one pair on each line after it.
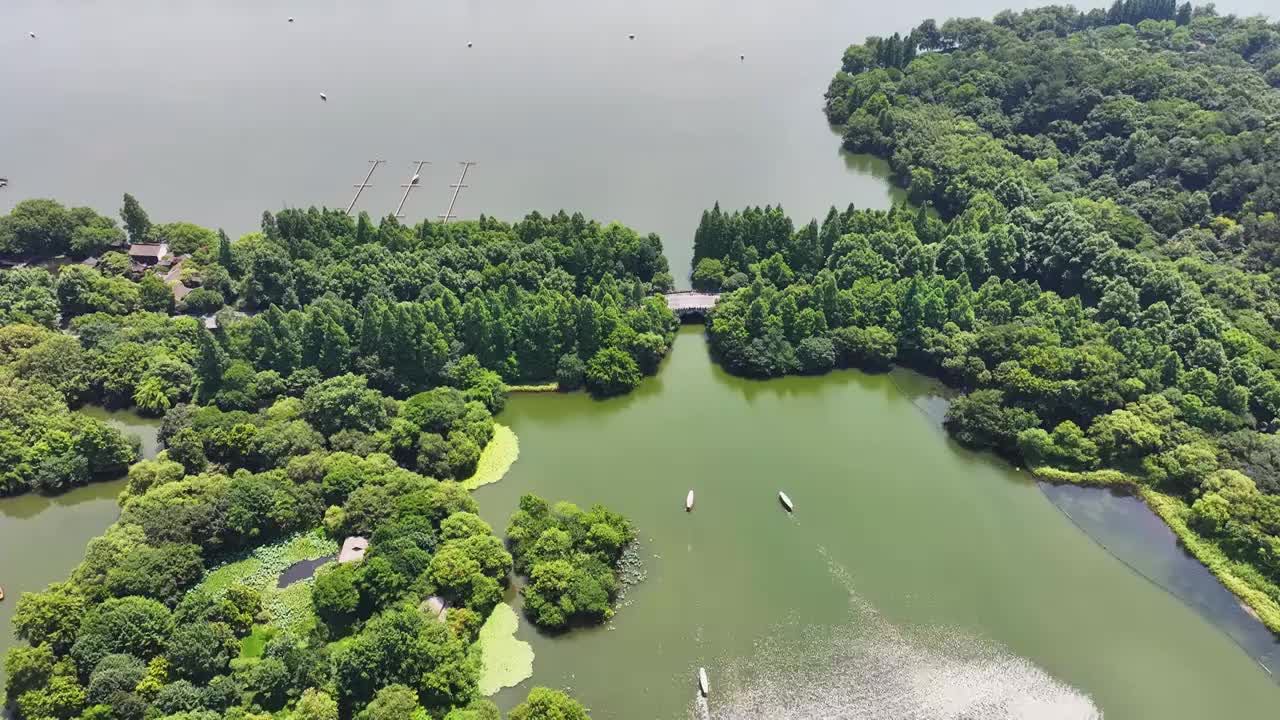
x,y
31,34
468,43
742,57
632,36
324,97
290,18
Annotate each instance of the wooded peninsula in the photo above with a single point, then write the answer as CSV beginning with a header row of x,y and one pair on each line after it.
x,y
348,396
1088,257
1091,261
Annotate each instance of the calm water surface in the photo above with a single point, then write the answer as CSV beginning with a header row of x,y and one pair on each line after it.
x,y
915,579
42,538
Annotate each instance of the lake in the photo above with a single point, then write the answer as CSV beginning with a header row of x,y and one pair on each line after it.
x,y
914,580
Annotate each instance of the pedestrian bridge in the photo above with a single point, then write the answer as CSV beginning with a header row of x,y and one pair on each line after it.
x,y
689,303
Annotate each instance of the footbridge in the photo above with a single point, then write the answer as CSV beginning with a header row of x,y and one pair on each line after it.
x,y
691,303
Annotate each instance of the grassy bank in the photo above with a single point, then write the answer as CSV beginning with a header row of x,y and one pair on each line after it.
x,y
544,387
1259,594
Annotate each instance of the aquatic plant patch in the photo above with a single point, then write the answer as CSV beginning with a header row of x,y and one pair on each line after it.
x,y
289,608
505,661
498,457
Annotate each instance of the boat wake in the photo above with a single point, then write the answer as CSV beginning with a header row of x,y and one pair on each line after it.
x,y
701,710
870,668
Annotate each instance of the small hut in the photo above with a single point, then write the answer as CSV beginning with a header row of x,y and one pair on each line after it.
x,y
353,549
148,254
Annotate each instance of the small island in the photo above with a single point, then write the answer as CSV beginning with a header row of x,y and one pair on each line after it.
x,y
571,558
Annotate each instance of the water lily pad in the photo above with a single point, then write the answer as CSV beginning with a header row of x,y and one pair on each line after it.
x,y
498,457
289,608
506,661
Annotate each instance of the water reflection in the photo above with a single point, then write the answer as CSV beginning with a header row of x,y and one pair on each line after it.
x,y
1125,527
1136,536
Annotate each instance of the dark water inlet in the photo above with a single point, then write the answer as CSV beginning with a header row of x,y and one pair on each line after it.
x,y
302,570
1136,536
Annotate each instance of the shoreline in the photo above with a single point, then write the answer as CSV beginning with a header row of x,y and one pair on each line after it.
x,y
1171,510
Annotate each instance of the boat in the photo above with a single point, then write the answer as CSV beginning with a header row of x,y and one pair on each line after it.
x,y
703,686
786,501
1,593
688,502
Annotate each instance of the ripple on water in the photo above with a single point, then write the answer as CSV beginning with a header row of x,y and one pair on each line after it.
x,y
871,668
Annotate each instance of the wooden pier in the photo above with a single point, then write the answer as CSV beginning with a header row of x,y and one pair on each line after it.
x,y
457,188
373,165
413,182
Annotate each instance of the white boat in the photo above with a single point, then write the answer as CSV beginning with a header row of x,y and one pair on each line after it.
x,y
786,501
688,501
703,686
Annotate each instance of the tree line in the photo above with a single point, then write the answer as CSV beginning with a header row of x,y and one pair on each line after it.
x,y
316,295
1072,351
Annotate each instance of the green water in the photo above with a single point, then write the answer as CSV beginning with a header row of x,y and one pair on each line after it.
x,y
42,538
915,579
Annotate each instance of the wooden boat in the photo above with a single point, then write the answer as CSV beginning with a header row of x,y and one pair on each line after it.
x,y
786,501
688,502
703,686
1,593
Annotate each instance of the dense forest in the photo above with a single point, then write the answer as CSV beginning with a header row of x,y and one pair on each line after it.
x,y
315,296
320,380
1089,260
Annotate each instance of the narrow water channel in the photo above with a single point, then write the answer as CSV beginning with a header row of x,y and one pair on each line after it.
x,y
915,579
43,537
